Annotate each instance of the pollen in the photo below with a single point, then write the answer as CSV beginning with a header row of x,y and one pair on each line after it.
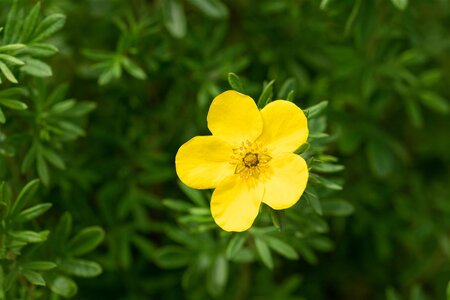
x,y
250,159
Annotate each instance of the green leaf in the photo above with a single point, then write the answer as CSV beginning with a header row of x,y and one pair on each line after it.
x,y
264,252
39,50
13,104
448,290
39,265
25,195
235,245
327,168
42,169
30,236
12,21
434,101
30,22
400,4
194,195
172,257
235,82
63,286
2,117
133,69
80,268
281,247
174,17
314,201
287,88
177,205
381,159
218,275
85,241
338,208
11,47
53,158
7,72
11,59
266,95
48,26
316,110
32,212
36,67
33,277
211,8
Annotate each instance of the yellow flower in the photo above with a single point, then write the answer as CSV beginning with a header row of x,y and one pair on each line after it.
x,y
248,159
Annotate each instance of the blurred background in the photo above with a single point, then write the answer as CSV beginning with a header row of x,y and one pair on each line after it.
x,y
151,69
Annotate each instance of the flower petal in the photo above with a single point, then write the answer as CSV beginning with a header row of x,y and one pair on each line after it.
x,y
234,117
285,127
286,181
235,203
204,161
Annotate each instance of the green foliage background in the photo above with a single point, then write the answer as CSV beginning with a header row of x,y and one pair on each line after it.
x,y
97,96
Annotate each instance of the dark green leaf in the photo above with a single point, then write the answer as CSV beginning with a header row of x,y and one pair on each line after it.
x,y
316,110
266,95
338,208
235,245
171,257
235,82
434,102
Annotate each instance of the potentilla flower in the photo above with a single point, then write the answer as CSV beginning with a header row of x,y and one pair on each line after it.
x,y
248,159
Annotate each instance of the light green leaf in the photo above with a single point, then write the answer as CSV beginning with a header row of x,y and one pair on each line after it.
x,y
39,50
13,104
53,158
33,277
80,267
39,265
11,59
30,22
174,17
48,26
7,72
11,47
25,195
400,4
218,275
85,241
434,102
36,68
42,169
211,8
264,252
32,212
133,69
30,236
281,247
63,286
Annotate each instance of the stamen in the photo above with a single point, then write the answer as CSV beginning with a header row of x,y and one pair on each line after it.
x,y
250,159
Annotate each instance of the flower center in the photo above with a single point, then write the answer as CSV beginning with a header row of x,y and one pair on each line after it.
x,y
250,159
